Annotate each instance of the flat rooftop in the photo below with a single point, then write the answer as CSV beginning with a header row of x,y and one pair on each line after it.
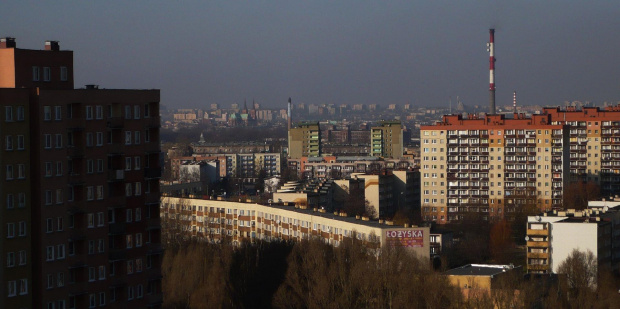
x,y
479,270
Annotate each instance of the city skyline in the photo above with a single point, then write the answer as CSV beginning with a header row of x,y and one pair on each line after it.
x,y
344,53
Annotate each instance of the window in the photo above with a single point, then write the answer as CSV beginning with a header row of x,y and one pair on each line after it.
x,y
139,291
63,74
10,201
50,284
129,267
128,215
9,172
47,74
89,139
20,113
92,299
50,253
138,214
100,219
138,188
91,247
99,112
20,142
48,169
138,240
99,165
48,197
58,168
128,163
58,140
99,138
127,112
21,171
60,251
101,246
138,265
136,137
136,112
9,143
47,113
35,74
130,293
100,192
23,286
136,163
59,224
10,230
129,244
101,298
22,228
127,137
22,257
90,166
48,141
57,112
128,189
147,136
49,225
89,112
146,111
58,196
91,220
61,279
102,272
8,113
90,195
12,286
10,259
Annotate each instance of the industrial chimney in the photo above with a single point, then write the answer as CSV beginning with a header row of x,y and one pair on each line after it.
x,y
491,50
288,116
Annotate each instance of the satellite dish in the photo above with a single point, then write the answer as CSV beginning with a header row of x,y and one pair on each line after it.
x,y
527,238
606,208
538,218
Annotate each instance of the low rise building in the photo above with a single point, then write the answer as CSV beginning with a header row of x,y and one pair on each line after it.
x,y
552,236
477,280
236,221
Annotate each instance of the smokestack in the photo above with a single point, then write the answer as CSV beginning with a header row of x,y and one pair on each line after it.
x,y
52,45
491,50
288,116
7,42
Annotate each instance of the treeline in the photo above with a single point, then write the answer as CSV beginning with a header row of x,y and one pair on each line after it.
x,y
307,274
312,274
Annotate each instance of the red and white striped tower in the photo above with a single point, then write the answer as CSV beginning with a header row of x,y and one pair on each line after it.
x,y
491,49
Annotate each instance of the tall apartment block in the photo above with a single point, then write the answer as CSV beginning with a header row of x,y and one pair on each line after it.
x,y
594,144
387,140
304,140
491,166
81,187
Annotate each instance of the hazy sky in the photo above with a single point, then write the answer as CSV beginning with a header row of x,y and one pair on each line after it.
x,y
419,52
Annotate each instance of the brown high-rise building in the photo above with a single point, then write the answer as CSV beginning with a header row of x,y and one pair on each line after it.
x,y
81,185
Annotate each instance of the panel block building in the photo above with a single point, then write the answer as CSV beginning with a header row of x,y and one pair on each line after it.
x,y
594,144
81,186
304,140
491,166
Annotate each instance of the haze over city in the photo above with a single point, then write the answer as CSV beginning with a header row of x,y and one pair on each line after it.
x,y
423,53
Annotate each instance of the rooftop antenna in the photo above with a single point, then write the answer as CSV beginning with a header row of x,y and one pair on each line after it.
x,y
450,105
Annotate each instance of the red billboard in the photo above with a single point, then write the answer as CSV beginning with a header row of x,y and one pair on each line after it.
x,y
410,238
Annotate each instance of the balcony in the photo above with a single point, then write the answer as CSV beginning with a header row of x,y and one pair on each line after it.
x,y
543,267
116,175
117,229
152,172
75,152
151,198
538,255
538,244
115,123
